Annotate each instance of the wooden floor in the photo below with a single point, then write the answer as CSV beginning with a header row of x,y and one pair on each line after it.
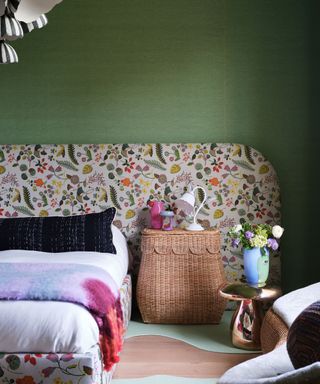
x,y
157,355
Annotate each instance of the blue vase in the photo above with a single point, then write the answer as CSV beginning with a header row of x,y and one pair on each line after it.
x,y
256,266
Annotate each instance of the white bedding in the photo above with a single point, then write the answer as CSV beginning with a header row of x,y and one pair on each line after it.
x,y
35,326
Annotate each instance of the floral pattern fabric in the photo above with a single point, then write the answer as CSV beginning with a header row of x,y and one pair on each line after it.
x,y
42,180
58,368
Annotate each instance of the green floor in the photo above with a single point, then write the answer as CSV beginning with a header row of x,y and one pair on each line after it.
x,y
214,338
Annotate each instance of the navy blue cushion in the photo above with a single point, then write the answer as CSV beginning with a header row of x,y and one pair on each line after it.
x,y
91,232
303,341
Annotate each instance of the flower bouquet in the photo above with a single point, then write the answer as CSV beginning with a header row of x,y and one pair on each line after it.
x,y
255,235
255,240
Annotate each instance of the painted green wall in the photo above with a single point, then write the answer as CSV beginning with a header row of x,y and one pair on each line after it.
x,y
180,71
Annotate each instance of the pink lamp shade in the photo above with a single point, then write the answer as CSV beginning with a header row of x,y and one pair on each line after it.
x,y
187,203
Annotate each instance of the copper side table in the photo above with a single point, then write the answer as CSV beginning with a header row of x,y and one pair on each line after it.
x,y
247,318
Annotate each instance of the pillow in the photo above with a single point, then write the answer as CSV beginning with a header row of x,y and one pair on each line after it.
x,y
303,343
91,232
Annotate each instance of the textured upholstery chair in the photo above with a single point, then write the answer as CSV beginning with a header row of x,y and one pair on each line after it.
x,y
284,311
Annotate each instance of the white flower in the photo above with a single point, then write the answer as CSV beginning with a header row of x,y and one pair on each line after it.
x,y
277,231
237,228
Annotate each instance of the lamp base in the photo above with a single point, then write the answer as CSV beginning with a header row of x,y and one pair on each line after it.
x,y
194,227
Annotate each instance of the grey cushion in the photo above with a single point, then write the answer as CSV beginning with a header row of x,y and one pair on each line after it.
x,y
272,368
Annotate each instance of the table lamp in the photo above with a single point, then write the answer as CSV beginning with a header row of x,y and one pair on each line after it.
x,y
186,204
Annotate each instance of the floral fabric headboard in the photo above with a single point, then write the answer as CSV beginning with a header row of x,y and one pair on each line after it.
x,y
42,180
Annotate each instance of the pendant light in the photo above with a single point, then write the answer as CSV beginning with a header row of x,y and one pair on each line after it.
x,y
10,28
7,54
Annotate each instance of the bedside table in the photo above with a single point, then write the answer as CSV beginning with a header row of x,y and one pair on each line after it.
x,y
180,275
247,319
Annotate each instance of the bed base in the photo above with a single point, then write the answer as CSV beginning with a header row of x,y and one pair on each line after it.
x,y
62,368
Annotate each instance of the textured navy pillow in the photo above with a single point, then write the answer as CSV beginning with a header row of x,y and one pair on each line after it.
x,y
303,343
91,232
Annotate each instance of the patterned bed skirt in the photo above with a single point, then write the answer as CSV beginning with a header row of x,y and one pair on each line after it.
x,y
62,368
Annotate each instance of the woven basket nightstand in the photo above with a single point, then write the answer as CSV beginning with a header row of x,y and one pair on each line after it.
x,y
179,277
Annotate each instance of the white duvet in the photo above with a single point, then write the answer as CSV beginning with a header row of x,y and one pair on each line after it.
x,y
47,326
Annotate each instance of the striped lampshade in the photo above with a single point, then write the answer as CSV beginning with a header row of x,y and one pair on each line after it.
x,y
18,17
2,7
10,28
13,5
7,54
41,22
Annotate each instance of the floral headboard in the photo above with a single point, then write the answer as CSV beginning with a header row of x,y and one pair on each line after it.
x,y
42,180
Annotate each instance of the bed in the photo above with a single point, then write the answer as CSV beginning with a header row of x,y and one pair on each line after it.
x,y
45,181
67,331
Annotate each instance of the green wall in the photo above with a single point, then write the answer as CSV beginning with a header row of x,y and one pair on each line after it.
x,y
180,71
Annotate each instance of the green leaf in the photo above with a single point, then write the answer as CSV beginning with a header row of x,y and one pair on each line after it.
x,y
200,195
88,153
131,199
114,197
13,362
256,191
71,154
263,251
67,164
27,197
248,153
243,164
177,155
155,164
159,152
44,200
2,157
219,198
241,212
72,366
167,190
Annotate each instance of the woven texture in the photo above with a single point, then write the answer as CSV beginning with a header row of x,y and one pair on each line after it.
x,y
179,277
91,232
303,342
274,331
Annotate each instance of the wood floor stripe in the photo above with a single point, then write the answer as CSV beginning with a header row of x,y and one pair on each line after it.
x,y
158,355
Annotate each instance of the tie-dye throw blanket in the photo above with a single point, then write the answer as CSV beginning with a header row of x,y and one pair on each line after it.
x,y
85,285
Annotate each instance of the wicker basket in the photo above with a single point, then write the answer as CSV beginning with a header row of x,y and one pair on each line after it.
x,y
179,277
274,331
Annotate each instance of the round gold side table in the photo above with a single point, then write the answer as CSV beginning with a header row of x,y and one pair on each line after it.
x,y
247,318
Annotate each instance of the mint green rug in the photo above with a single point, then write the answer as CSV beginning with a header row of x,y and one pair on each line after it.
x,y
209,337
162,379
